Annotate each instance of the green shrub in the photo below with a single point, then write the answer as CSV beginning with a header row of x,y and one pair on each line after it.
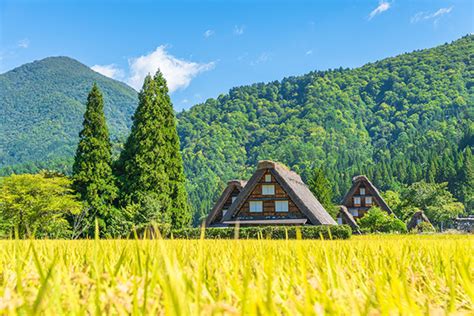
x,y
424,227
378,221
270,232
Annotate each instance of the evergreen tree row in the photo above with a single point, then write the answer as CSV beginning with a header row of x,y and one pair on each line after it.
x,y
147,184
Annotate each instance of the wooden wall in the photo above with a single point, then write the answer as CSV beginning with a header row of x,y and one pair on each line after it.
x,y
269,202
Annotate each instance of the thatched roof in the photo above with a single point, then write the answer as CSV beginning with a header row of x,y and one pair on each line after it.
x,y
356,182
348,218
231,186
295,188
414,220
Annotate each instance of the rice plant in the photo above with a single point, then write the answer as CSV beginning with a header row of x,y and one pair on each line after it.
x,y
373,275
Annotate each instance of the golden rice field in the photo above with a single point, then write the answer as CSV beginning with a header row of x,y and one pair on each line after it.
x,y
375,275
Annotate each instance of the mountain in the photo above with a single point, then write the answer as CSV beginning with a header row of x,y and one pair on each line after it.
x,y
398,120
42,104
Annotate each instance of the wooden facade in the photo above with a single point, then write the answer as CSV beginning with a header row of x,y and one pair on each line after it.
x,y
360,198
276,195
269,201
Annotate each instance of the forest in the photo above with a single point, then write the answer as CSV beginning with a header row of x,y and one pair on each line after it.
x,y
406,122
399,121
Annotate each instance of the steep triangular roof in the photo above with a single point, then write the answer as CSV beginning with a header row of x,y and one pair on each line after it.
x,y
349,219
292,184
231,186
413,221
356,182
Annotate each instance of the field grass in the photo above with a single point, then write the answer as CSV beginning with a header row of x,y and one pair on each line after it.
x,y
364,275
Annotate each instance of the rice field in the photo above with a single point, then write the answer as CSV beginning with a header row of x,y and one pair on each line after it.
x,y
375,275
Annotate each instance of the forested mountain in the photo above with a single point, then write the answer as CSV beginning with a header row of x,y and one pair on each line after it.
x,y
42,104
398,120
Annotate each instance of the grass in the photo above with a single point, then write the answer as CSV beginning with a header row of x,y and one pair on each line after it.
x,y
374,275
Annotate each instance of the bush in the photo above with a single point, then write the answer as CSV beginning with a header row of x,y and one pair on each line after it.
x,y
424,227
378,221
270,232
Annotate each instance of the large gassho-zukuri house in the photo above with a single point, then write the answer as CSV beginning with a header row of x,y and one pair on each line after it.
x,y
359,199
274,195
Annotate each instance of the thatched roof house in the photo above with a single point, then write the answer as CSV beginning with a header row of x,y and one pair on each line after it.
x,y
228,196
360,198
275,195
347,218
417,218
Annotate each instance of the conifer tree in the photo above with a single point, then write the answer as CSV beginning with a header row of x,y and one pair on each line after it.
x,y
92,170
322,190
465,181
151,167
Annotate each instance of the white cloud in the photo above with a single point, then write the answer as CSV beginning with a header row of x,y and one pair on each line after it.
x,y
262,58
423,16
178,72
239,30
383,6
208,33
24,43
111,71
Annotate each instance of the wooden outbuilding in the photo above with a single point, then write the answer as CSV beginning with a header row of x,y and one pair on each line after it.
x,y
360,198
417,218
228,196
275,195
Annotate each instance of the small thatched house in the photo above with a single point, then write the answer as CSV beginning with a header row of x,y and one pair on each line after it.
x,y
360,198
417,218
347,218
275,195
234,187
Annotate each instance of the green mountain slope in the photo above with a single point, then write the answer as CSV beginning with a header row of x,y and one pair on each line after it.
x,y
42,104
398,120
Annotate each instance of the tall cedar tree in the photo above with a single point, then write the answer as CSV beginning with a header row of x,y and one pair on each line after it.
x,y
321,188
150,167
92,171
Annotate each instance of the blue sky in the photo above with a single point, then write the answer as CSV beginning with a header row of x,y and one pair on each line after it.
x,y
207,47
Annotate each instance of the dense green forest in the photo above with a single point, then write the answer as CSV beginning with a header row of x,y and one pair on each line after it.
x,y
398,120
42,104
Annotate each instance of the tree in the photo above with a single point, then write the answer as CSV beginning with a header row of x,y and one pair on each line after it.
x,y
322,190
150,167
37,205
92,170
377,220
434,199
465,180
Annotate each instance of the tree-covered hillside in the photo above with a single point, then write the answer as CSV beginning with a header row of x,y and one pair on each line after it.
x,y
42,104
398,121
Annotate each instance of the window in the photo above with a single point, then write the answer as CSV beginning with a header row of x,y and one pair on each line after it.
x,y
368,200
256,206
281,206
357,201
339,221
234,198
268,178
224,212
362,191
268,189
354,212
